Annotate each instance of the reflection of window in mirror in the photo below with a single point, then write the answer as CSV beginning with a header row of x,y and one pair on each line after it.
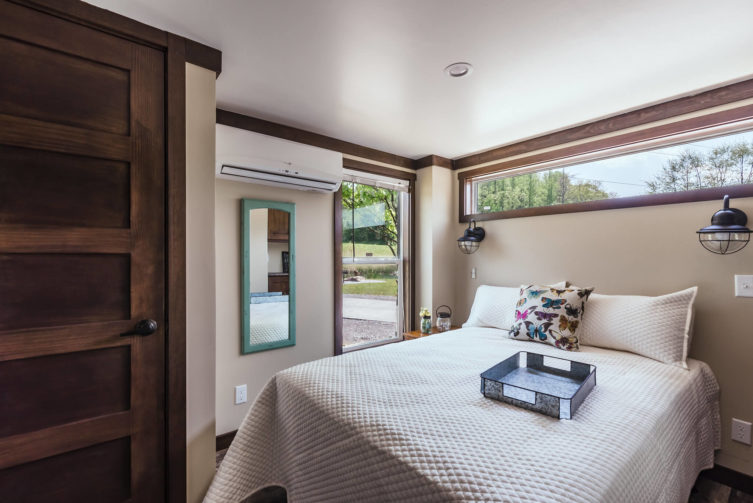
x,y
268,275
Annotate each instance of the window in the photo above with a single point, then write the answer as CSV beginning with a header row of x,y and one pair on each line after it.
x,y
374,222
628,176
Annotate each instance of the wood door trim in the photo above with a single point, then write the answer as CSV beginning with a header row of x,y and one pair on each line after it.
x,y
16,239
40,444
124,27
100,19
338,234
20,344
39,135
201,55
290,133
175,269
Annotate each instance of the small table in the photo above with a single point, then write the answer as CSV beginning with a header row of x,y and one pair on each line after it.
x,y
416,334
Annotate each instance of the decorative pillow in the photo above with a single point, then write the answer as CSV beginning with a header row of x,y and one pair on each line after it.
x,y
550,315
494,306
655,327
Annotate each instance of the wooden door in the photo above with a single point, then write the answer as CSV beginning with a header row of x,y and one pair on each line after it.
x,y
81,262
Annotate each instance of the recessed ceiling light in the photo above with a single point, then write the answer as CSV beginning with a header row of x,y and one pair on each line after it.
x,y
459,69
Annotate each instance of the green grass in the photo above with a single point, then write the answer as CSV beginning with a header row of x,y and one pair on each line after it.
x,y
363,248
389,287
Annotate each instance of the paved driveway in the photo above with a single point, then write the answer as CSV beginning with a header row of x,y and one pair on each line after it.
x,y
374,309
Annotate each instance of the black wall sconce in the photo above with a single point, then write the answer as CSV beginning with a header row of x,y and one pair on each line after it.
x,y
469,241
727,232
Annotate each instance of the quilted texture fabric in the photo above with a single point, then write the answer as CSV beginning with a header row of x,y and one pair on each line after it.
x,y
494,306
656,327
406,422
550,315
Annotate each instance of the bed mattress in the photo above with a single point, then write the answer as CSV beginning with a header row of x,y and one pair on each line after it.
x,y
406,422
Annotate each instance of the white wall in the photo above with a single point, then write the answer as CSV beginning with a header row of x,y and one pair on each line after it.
x,y
275,256
259,256
200,313
314,293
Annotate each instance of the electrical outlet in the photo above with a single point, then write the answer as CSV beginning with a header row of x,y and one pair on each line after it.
x,y
743,285
241,394
741,431
473,273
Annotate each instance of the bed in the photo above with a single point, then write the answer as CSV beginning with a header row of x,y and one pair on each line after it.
x,y
269,318
406,422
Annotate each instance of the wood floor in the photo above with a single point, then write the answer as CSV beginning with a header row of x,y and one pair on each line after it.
x,y
705,490
708,491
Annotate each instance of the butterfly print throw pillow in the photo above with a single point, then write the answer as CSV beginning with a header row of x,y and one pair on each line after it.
x,y
550,315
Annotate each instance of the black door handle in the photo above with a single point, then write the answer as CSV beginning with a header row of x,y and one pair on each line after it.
x,y
144,327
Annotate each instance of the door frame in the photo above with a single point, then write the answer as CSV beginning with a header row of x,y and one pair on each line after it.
x,y
178,51
409,279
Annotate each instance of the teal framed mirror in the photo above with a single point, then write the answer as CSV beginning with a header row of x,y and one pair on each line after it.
x,y
267,275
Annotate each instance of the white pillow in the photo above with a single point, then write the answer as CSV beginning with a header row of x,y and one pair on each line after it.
x,y
655,327
494,306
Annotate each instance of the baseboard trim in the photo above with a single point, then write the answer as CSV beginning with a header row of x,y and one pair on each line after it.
x,y
224,440
728,477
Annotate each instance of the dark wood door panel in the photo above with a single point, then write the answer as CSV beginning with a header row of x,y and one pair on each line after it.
x,y
35,27
47,289
52,390
19,344
82,187
48,188
40,444
42,84
98,473
40,135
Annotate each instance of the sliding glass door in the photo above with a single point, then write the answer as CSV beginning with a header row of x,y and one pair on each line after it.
x,y
374,223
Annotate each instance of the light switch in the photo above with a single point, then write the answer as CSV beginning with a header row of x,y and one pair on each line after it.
x,y
473,273
743,285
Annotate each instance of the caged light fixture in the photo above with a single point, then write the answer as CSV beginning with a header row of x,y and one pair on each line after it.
x,y
727,232
469,241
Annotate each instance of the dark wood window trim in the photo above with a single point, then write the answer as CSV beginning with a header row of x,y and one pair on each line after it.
x,y
699,101
410,279
699,123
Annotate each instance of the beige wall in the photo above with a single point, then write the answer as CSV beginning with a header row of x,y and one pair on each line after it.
x,y
314,293
435,238
200,337
646,251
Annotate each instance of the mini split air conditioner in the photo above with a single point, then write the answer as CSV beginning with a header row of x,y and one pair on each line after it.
x,y
256,158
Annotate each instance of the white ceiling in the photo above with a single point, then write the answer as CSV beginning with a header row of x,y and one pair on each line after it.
x,y
370,71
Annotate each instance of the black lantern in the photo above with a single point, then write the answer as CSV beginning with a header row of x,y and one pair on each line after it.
x,y
727,232
471,238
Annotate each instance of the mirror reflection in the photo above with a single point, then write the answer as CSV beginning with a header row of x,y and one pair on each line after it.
x,y
267,320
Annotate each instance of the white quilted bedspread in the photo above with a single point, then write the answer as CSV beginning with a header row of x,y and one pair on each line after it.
x,y
406,422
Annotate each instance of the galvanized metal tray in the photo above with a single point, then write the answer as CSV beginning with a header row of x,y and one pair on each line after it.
x,y
552,386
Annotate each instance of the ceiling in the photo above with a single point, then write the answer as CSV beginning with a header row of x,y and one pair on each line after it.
x,y
371,72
